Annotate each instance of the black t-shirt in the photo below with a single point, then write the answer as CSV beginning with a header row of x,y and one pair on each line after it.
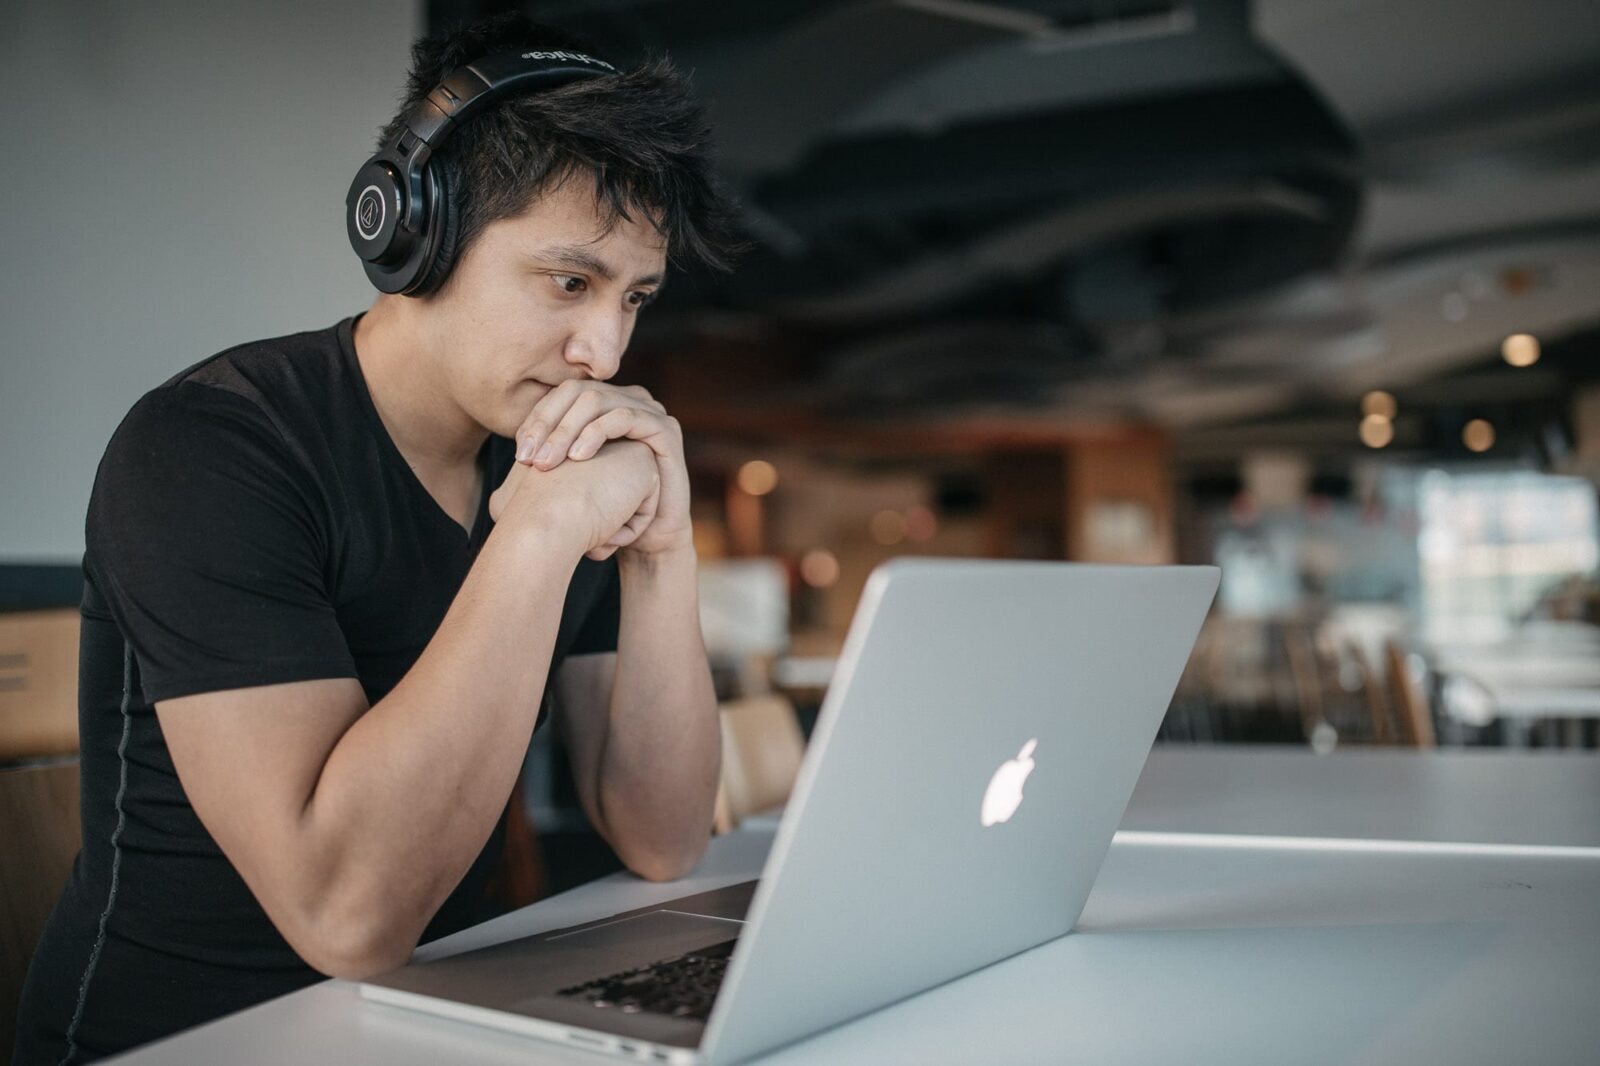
x,y
251,523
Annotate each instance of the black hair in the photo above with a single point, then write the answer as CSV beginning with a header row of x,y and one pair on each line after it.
x,y
641,135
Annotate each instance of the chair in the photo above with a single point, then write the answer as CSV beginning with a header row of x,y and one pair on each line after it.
x,y
1192,715
762,747
519,878
1416,719
38,684
1375,695
1300,646
41,833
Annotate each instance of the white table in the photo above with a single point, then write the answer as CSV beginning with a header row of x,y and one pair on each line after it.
x,y
1235,951
1551,670
1488,798
1480,796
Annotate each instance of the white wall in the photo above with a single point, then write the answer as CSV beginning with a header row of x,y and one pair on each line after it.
x,y
173,185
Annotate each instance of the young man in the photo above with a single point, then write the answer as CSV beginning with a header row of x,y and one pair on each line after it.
x,y
330,577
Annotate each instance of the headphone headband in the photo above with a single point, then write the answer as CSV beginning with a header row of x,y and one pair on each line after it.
x,y
394,207
468,88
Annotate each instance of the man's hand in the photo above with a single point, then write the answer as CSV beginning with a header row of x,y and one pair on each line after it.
x,y
573,421
600,504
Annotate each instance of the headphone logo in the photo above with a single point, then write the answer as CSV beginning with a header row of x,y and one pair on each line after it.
x,y
576,57
369,212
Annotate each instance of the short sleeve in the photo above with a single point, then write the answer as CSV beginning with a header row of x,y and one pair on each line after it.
x,y
204,538
599,630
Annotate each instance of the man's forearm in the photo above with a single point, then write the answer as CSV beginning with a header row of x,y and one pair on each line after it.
x,y
412,790
663,751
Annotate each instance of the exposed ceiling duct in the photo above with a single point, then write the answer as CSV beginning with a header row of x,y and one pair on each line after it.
x,y
1184,210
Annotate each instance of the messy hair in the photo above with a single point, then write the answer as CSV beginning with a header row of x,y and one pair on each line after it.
x,y
641,136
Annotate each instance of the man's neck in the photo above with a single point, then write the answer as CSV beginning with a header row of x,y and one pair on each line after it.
x,y
400,369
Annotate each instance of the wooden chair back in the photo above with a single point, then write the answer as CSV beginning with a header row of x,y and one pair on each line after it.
x,y
1375,695
762,748
38,683
1410,700
1300,646
519,878
39,837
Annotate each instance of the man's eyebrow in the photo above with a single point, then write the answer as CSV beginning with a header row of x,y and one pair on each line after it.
x,y
579,259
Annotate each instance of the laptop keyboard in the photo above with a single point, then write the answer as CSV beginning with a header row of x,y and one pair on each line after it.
x,y
681,987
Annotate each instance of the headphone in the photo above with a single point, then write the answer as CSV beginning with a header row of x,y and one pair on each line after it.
x,y
399,213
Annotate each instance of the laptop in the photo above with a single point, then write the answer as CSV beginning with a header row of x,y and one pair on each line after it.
x,y
973,756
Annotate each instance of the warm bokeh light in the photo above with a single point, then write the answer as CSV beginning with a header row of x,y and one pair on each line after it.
x,y
758,477
1376,431
819,568
888,527
1477,435
920,523
1380,403
1520,349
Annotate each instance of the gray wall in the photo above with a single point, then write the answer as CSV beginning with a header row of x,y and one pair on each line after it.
x,y
174,185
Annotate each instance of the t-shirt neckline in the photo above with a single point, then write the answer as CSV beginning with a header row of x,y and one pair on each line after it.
x,y
347,349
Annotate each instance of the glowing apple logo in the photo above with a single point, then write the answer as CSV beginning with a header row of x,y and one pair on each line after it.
x,y
1004,794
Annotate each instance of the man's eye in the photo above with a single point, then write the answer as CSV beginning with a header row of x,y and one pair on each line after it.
x,y
569,283
641,299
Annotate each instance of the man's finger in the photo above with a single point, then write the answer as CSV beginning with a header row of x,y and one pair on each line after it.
x,y
587,408
634,528
622,422
545,416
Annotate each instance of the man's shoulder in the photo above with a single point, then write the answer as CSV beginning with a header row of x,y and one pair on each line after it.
x,y
289,383
255,422
293,363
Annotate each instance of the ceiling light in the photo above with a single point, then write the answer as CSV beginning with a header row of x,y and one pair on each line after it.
x,y
758,477
1520,349
1477,435
1379,403
819,568
921,523
1376,431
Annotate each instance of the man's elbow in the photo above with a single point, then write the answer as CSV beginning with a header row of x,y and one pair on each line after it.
x,y
349,946
654,864
358,961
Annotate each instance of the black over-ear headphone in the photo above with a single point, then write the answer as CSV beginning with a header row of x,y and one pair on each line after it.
x,y
398,211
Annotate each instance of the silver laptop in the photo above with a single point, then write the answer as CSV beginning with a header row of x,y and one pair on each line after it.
x,y
971,761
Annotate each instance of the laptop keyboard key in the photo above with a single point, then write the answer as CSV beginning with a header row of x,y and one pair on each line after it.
x,y
684,986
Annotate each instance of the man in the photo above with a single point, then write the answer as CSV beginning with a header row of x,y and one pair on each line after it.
x,y
330,577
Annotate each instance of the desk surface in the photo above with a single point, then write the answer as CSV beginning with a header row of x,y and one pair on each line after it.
x,y
1481,797
1226,954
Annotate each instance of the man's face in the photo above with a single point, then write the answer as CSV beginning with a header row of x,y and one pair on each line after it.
x,y
540,298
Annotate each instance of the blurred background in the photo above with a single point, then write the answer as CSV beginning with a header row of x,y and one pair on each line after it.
x,y
1309,289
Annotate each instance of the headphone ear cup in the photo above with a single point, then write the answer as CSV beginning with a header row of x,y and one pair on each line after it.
x,y
444,226
372,213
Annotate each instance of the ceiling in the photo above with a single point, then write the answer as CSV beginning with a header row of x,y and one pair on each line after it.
x,y
1201,214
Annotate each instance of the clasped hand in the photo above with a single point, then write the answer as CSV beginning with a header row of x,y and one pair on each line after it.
x,y
576,418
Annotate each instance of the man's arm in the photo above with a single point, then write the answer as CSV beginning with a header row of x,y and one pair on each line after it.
x,y
641,725
351,825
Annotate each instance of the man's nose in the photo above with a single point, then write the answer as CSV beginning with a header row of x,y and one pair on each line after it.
x,y
597,343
